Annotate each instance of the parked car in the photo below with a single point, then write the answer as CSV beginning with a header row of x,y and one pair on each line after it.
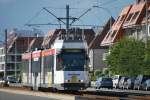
x,y
11,79
146,85
104,83
116,79
129,84
122,81
140,80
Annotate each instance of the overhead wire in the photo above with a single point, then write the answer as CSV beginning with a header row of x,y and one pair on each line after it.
x,y
105,3
37,14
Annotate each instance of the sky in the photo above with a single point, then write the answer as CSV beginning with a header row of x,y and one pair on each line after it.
x,y
17,13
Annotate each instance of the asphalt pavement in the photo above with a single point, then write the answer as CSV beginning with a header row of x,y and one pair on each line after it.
x,y
12,96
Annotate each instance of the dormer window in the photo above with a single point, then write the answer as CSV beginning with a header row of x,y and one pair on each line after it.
x,y
122,17
118,18
135,16
141,1
113,34
108,35
129,17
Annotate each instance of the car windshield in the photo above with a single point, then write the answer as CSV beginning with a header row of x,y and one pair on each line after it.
x,y
107,79
12,78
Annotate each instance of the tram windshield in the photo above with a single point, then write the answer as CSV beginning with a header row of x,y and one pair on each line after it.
x,y
71,60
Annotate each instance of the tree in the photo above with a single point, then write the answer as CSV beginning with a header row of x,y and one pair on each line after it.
x,y
146,69
127,57
98,73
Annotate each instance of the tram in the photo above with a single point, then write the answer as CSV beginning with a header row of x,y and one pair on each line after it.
x,y
64,66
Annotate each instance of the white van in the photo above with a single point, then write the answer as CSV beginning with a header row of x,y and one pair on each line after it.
x,y
116,79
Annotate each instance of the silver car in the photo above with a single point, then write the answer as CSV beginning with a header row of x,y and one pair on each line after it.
x,y
104,83
146,85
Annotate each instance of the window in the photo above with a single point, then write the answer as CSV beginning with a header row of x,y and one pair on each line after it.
x,y
135,16
71,61
108,35
148,30
48,63
129,17
36,64
18,58
122,17
118,18
113,34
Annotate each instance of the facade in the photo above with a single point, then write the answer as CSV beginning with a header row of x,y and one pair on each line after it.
x,y
96,51
53,35
17,43
133,21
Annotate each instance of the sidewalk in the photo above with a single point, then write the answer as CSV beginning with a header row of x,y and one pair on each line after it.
x,y
40,94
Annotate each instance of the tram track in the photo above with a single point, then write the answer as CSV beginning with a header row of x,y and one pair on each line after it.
x,y
93,95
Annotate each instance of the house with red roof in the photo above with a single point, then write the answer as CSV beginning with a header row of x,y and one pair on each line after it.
x,y
96,51
131,22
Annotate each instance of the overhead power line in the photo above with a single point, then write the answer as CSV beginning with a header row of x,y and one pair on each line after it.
x,y
108,2
37,14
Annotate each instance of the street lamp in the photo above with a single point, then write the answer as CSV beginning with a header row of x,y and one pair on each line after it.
x,y
5,74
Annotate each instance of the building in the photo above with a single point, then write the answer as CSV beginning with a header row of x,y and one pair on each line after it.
x,y
96,51
17,43
131,22
52,35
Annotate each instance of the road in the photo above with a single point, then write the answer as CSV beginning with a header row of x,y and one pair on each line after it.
x,y
12,96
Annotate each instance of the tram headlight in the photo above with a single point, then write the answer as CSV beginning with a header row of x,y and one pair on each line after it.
x,y
67,81
81,81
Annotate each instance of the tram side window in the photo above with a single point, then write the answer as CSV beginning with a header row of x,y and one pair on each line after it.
x,y
59,62
36,65
48,63
25,66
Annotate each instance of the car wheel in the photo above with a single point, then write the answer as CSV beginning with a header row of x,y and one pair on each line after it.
x,y
8,82
99,87
138,87
146,88
127,87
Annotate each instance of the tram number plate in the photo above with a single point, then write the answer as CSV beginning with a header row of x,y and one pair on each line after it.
x,y
74,79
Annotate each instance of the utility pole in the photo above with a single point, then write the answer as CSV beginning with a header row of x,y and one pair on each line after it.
x,y
15,59
67,19
5,68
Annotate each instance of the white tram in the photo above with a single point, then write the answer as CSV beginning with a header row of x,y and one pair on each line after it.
x,y
63,67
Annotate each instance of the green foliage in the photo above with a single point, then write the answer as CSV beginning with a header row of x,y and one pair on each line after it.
x,y
93,77
146,69
98,73
106,72
127,57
